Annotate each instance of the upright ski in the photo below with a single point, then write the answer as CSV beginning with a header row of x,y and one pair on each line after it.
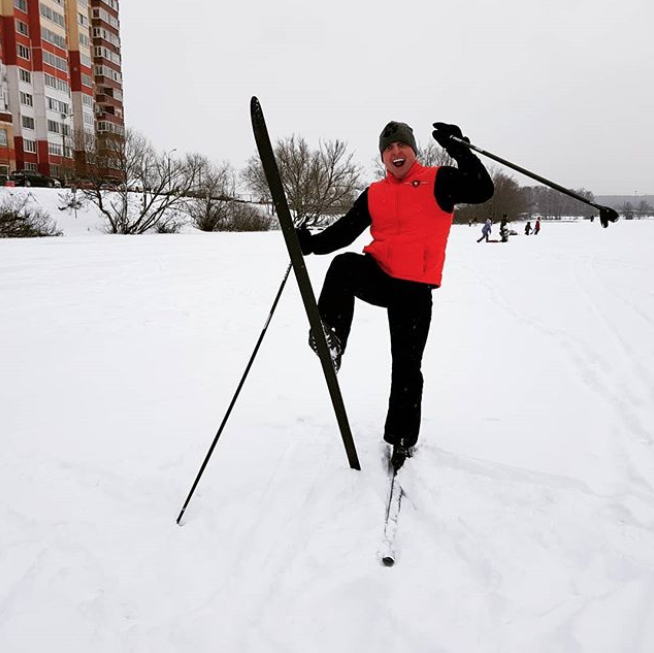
x,y
297,260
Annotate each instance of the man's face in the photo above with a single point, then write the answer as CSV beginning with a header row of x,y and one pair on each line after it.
x,y
398,158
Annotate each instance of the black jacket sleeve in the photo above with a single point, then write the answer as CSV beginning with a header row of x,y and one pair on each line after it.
x,y
469,183
345,230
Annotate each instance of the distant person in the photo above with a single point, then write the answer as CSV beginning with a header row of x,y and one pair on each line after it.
x,y
528,228
537,227
486,230
504,229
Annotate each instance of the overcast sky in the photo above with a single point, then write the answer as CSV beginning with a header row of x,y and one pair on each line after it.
x,y
562,87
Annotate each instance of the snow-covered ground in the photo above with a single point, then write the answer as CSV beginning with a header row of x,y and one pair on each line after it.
x,y
528,520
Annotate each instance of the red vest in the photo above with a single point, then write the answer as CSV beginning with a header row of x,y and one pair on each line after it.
x,y
409,229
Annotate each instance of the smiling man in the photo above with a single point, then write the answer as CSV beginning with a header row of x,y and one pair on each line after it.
x,y
409,213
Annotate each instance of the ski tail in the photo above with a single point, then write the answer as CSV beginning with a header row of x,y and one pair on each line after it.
x,y
387,548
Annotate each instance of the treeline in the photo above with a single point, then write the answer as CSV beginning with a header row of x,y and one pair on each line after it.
x,y
163,191
525,202
321,183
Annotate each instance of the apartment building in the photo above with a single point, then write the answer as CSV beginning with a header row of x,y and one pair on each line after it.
x,y
61,84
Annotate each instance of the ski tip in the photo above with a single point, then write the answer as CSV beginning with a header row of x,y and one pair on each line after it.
x,y
388,561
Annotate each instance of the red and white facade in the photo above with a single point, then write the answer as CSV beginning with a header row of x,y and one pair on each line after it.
x,y
61,79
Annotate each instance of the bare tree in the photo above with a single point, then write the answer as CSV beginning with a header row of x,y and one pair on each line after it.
x,y
154,189
644,209
552,204
433,154
214,205
508,199
317,182
628,211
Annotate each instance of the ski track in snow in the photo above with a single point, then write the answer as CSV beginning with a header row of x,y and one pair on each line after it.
x,y
627,387
527,523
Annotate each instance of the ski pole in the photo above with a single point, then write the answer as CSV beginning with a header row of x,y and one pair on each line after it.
x,y
235,397
607,214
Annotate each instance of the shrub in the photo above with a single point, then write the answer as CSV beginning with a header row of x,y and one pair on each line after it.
x,y
208,214
21,218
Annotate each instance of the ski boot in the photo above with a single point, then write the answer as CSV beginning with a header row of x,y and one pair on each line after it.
x,y
401,451
333,343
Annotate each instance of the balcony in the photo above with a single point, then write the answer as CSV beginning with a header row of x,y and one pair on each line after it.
x,y
104,98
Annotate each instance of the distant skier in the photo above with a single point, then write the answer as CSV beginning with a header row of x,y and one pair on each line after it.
x,y
537,227
486,230
504,229
409,213
528,228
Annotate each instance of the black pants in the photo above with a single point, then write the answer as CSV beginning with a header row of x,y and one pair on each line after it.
x,y
409,314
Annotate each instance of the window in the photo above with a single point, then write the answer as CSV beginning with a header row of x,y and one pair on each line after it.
x,y
28,122
25,75
112,56
3,138
52,37
57,105
87,100
55,82
54,60
108,72
29,145
106,17
51,14
110,127
21,4
55,148
22,27
57,127
23,52
26,99
84,40
85,60
87,81
31,166
102,33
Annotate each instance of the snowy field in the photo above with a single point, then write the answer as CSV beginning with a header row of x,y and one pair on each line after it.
x,y
528,520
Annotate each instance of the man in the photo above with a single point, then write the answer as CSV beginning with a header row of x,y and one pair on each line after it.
x,y
409,214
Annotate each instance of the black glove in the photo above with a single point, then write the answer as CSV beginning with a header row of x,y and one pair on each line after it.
x,y
442,132
305,237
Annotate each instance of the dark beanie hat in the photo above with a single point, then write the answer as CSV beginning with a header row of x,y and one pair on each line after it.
x,y
397,132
